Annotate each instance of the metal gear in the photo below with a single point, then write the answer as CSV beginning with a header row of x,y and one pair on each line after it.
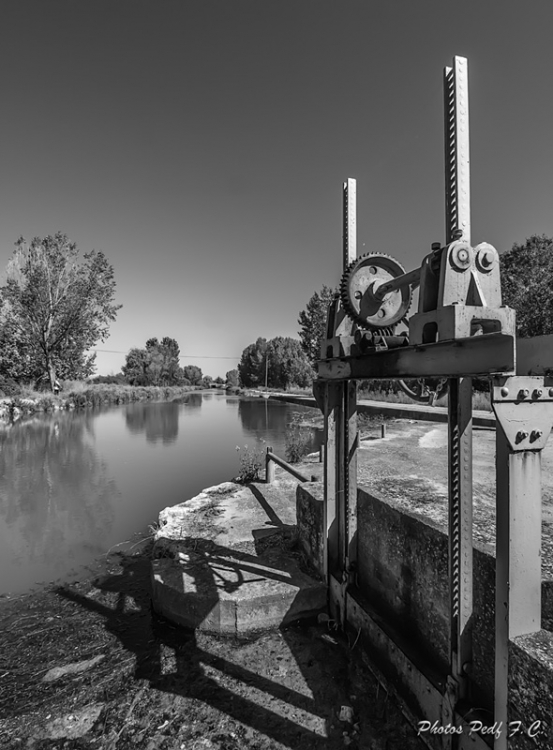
x,y
358,284
423,390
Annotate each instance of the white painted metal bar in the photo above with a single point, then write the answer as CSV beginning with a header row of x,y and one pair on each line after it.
x,y
349,222
457,155
524,411
457,219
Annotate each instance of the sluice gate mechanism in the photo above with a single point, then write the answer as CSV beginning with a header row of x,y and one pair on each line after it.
x,y
460,330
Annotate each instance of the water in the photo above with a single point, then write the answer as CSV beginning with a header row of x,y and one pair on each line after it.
x,y
74,484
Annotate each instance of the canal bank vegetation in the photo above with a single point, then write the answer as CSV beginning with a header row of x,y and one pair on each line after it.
x,y
79,395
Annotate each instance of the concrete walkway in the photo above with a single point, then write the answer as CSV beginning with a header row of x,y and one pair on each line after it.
x,y
399,411
224,561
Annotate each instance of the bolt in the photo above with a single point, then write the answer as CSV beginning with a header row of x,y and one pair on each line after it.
x,y
463,255
358,294
381,313
538,393
504,391
523,393
486,259
372,270
521,435
551,392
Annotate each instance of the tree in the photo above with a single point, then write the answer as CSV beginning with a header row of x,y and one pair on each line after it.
x,y
288,363
232,378
251,367
282,359
163,366
527,284
58,308
313,323
219,380
156,364
193,374
136,366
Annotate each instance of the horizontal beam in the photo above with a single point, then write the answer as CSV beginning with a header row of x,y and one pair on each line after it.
x,y
535,356
470,357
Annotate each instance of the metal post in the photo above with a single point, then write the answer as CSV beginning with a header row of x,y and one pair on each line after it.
x,y
524,411
457,221
270,468
332,475
340,451
460,529
457,161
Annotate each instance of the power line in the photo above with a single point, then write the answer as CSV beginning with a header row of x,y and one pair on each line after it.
x,y
182,356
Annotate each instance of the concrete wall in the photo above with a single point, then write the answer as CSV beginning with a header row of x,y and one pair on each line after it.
x,y
309,514
403,573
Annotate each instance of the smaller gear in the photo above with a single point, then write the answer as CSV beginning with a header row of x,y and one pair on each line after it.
x,y
358,289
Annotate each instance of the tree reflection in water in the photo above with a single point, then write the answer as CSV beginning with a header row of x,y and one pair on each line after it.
x,y
160,420
55,495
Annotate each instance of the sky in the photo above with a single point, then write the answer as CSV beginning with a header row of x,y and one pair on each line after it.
x,y
202,146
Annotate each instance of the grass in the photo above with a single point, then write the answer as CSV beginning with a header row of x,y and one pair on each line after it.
x,y
480,401
76,394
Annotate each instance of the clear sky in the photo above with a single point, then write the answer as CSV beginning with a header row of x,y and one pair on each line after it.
x,y
202,145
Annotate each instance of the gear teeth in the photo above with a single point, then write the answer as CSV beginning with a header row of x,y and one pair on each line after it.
x,y
347,304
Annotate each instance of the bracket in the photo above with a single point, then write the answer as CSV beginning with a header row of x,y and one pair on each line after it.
x,y
518,403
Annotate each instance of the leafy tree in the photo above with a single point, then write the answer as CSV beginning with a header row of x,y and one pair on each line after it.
x,y
193,374
219,380
136,366
156,364
58,309
16,359
232,378
313,323
283,359
288,363
527,284
163,366
207,381
251,368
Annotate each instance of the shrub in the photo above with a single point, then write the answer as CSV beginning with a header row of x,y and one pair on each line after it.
x,y
298,440
252,461
9,387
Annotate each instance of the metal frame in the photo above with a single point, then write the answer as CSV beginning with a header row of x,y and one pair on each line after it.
x,y
524,422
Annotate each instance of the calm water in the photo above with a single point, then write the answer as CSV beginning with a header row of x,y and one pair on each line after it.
x,y
74,484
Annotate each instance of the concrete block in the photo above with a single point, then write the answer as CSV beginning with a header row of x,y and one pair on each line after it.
x,y
310,517
233,594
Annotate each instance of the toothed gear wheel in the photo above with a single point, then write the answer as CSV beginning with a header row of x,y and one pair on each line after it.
x,y
357,287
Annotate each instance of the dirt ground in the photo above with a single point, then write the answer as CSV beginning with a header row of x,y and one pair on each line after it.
x,y
87,665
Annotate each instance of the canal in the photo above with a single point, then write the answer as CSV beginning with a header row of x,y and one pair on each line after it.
x,y
75,484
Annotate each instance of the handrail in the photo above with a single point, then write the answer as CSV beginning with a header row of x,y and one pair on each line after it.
x,y
271,459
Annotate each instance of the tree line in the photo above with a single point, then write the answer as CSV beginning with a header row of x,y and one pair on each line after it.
x,y
55,308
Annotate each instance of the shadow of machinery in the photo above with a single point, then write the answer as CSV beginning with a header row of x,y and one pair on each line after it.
x,y
247,680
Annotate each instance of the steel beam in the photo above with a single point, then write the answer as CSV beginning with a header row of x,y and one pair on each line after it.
x,y
457,156
524,411
460,530
483,355
349,215
457,221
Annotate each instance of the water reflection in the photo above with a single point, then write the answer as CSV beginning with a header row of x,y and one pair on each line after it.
x,y
55,494
158,421
267,420
74,484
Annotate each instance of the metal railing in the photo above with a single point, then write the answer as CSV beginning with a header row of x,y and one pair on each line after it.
x,y
271,459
